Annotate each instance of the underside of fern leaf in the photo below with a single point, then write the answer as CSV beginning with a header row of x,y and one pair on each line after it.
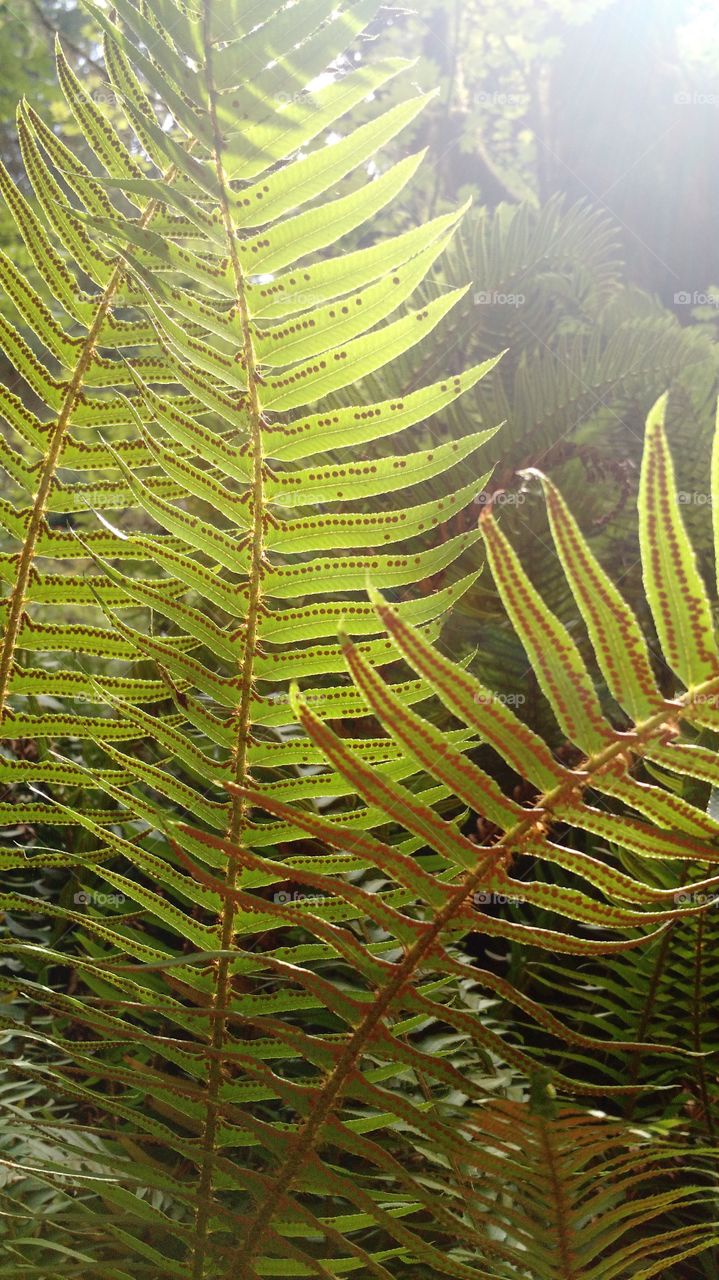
x,y
264,910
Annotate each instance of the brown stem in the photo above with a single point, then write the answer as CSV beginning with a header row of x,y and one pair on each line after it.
x,y
562,1224
16,602
541,816
218,1016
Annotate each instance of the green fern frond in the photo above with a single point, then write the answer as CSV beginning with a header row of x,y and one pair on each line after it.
x,y
610,767
264,909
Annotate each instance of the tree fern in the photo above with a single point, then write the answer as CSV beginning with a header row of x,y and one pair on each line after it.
x,y
268,932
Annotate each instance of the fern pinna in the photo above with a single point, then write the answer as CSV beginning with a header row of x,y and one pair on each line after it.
x,y
269,981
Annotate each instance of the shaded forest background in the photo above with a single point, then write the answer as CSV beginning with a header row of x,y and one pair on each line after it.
x,y
611,101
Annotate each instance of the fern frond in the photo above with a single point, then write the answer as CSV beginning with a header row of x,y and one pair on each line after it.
x,y
261,1058
204,286
611,766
